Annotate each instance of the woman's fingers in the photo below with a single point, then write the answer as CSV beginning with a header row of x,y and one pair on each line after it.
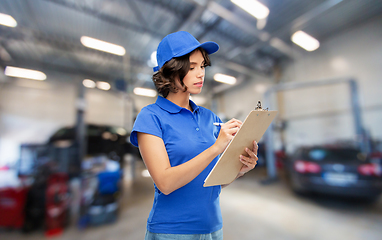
x,y
234,120
249,161
231,127
251,154
227,132
252,157
232,131
233,123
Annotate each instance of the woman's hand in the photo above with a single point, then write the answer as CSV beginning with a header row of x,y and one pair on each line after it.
x,y
250,161
227,132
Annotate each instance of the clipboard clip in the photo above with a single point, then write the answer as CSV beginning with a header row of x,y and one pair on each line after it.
x,y
259,108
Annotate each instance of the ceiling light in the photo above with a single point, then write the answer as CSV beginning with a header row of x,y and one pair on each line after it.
x,y
305,41
7,20
256,9
145,92
89,83
24,73
224,79
103,85
103,46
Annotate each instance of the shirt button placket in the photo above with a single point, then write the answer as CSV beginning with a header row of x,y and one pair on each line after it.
x,y
197,128
196,123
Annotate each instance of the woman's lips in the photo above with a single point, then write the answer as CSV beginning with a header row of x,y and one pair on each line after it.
x,y
199,84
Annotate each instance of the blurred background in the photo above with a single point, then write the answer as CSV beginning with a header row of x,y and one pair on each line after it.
x,y
75,74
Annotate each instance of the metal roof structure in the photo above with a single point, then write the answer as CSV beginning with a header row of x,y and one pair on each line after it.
x,y
48,33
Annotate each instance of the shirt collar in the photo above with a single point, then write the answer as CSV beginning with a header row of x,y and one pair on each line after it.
x,y
194,106
171,107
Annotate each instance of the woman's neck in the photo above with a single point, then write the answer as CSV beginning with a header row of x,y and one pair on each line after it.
x,y
181,99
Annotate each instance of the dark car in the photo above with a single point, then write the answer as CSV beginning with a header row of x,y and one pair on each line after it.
x,y
101,139
61,151
340,171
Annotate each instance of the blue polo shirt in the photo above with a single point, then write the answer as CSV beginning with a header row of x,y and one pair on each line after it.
x,y
191,209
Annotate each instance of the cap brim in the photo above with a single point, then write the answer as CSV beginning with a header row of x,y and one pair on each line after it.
x,y
210,47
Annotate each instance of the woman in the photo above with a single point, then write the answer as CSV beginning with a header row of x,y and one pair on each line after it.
x,y
180,145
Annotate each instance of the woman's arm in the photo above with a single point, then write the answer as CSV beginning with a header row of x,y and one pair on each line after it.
x,y
168,178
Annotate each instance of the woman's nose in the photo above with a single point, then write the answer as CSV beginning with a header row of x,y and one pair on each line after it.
x,y
201,72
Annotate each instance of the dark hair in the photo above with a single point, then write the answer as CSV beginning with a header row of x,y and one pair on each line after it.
x,y
178,67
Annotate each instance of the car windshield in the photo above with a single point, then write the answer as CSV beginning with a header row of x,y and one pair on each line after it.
x,y
322,154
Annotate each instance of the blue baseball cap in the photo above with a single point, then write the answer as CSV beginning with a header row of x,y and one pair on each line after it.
x,y
178,44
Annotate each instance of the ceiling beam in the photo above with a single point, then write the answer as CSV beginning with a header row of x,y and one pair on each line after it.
x,y
107,18
298,24
233,19
138,14
240,23
305,19
167,7
193,18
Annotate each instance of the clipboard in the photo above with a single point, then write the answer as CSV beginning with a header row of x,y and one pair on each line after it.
x,y
229,165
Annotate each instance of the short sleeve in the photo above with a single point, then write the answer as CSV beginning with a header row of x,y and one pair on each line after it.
x,y
146,122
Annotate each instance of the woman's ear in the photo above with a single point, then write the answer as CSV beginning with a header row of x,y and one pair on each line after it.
x,y
179,86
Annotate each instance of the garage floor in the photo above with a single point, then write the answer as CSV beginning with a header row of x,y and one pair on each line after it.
x,y
250,211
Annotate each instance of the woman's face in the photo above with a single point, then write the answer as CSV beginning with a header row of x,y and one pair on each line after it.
x,y
195,77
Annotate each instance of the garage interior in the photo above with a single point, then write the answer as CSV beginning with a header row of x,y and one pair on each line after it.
x,y
68,128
